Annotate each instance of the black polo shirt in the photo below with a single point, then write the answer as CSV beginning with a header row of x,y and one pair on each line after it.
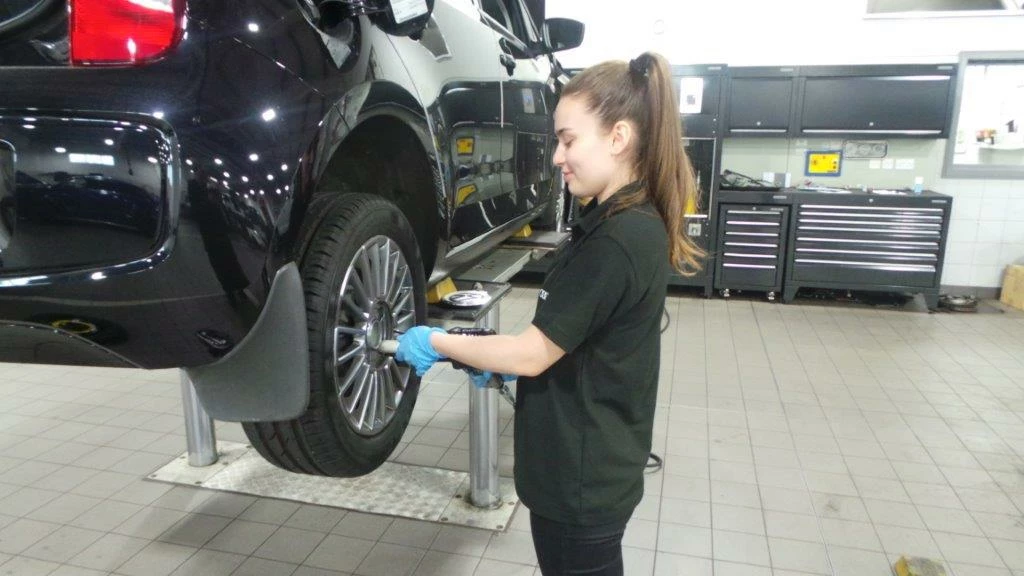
x,y
583,427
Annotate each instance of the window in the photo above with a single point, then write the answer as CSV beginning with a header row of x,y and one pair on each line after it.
x,y
942,8
511,15
987,137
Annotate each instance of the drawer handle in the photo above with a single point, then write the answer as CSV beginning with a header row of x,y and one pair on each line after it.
x,y
893,243
749,266
751,245
871,265
745,255
874,231
775,213
873,208
760,234
893,225
907,255
879,216
750,223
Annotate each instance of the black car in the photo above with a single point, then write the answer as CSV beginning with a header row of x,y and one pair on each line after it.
x,y
260,191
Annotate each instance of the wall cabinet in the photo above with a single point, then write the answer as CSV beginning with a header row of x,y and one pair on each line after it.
x,y
760,101
903,101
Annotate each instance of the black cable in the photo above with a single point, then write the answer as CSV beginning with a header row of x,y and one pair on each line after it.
x,y
654,462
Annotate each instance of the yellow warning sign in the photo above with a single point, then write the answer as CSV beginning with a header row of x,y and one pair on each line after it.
x,y
824,163
465,146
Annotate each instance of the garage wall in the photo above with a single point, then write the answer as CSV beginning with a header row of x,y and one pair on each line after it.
x,y
988,215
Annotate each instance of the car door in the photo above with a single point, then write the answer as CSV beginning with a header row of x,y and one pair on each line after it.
x,y
528,100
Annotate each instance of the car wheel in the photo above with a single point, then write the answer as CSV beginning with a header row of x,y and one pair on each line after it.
x,y
364,283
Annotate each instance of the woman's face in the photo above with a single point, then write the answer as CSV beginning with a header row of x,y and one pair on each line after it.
x,y
593,160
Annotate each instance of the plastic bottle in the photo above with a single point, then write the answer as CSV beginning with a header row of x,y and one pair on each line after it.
x,y
918,184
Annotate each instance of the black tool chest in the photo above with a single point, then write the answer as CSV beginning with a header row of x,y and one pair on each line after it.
x,y
891,241
751,252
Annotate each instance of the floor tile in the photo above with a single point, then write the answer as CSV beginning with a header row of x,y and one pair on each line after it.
x,y
20,534
289,545
156,559
684,540
738,519
241,537
253,566
63,544
365,526
109,552
390,560
210,563
666,564
959,548
445,564
850,534
315,518
464,541
793,526
24,566
908,541
339,553
796,555
194,530
488,567
412,533
516,547
740,548
858,562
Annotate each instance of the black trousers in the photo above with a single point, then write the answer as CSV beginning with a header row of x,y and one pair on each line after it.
x,y
571,550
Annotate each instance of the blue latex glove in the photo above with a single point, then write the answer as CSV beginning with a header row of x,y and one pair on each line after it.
x,y
414,348
480,379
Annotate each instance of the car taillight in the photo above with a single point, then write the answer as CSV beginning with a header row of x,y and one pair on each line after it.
x,y
108,32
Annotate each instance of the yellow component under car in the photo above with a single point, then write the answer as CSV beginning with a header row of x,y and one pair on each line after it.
x,y
918,567
524,232
440,290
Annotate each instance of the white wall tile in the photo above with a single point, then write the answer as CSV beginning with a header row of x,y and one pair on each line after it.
x,y
959,253
986,276
956,275
962,231
1014,232
998,188
1014,208
986,254
991,231
967,208
1011,254
994,208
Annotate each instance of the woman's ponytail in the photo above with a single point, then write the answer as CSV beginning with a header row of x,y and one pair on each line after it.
x,y
643,93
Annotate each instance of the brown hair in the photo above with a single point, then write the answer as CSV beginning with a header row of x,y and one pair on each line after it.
x,y
642,93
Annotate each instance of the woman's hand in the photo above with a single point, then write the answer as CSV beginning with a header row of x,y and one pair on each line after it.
x,y
415,349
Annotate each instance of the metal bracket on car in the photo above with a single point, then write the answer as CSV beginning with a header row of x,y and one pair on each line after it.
x,y
265,377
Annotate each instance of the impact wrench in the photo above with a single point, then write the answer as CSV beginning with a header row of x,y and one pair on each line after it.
x,y
390,347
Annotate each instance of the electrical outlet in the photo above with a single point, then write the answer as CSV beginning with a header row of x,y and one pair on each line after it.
x,y
904,163
874,164
887,164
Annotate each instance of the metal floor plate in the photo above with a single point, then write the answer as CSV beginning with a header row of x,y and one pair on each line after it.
x,y
416,492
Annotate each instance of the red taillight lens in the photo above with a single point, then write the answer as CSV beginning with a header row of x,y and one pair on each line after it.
x,y
123,31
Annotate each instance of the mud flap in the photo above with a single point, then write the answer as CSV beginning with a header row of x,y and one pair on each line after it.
x,y
265,377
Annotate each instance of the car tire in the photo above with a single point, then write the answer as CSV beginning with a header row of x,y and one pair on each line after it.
x,y
364,282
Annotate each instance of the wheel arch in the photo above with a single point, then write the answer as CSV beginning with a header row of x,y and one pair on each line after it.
x,y
375,128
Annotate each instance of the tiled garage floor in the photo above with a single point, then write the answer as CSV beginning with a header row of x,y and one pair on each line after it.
x,y
798,439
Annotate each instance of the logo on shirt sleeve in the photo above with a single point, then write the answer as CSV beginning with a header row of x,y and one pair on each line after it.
x,y
543,295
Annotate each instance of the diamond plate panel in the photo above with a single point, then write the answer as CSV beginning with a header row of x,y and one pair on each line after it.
x,y
416,492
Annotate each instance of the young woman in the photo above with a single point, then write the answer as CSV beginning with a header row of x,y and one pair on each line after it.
x,y
588,364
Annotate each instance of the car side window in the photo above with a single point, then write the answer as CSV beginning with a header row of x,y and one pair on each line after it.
x,y
511,15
